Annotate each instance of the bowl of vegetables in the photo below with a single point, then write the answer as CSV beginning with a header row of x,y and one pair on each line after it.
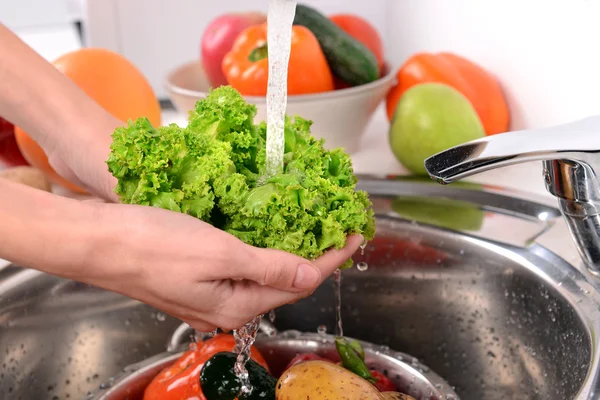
x,y
288,365
337,75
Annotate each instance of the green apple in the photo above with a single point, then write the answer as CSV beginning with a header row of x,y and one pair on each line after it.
x,y
430,118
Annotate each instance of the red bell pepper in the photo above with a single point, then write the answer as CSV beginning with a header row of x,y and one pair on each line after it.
x,y
181,380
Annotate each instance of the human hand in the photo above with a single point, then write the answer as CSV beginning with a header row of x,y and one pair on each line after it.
x,y
195,272
169,260
81,156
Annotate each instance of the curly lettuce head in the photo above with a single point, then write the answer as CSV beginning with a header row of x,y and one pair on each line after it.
x,y
211,169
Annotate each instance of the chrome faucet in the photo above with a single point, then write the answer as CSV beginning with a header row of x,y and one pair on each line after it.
x,y
571,159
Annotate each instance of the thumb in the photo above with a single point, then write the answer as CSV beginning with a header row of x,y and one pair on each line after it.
x,y
284,271
280,270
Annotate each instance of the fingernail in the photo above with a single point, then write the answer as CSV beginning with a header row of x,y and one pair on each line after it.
x,y
307,277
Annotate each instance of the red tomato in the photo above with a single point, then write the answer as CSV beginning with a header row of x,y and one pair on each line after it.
x,y
218,38
363,31
181,380
300,358
383,384
10,154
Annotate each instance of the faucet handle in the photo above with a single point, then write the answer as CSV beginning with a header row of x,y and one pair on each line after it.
x,y
569,152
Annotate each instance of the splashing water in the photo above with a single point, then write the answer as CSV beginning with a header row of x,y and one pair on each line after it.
x,y
279,38
280,18
363,246
272,316
337,291
244,339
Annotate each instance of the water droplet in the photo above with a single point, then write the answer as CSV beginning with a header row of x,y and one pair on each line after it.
x,y
322,330
363,246
161,316
362,266
272,316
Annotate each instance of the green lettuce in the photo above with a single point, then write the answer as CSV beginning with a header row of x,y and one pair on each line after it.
x,y
212,170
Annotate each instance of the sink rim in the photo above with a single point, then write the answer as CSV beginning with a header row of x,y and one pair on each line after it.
x,y
575,279
578,286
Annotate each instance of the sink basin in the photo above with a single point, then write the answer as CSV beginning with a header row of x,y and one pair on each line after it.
x,y
483,286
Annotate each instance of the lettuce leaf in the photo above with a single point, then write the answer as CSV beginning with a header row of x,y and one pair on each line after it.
x,y
211,170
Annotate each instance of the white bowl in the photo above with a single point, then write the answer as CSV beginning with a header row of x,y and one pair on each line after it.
x,y
340,117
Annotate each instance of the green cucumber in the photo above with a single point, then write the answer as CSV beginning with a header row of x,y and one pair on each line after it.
x,y
219,382
349,59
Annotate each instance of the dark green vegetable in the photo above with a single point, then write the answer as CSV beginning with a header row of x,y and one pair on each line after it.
x,y
348,58
219,382
352,360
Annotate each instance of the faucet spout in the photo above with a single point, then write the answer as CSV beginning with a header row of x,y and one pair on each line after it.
x,y
571,157
569,141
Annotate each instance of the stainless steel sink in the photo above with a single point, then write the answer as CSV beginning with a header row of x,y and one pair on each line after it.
x,y
485,287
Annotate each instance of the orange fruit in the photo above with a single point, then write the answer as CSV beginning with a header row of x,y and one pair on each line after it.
x,y
113,82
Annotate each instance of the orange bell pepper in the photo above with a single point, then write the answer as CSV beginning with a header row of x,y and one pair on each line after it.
x,y
476,84
246,66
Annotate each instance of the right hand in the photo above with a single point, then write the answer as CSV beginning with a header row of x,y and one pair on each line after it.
x,y
195,272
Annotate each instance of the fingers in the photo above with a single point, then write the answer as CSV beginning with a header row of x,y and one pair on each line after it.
x,y
201,326
287,272
249,299
247,281
333,259
276,269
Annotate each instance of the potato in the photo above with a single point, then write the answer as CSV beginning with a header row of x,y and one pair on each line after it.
x,y
29,176
324,380
396,396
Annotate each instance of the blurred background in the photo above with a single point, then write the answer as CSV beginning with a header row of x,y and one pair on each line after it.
x,y
542,54
542,51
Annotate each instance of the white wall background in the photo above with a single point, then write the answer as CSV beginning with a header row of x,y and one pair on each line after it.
x,y
545,52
